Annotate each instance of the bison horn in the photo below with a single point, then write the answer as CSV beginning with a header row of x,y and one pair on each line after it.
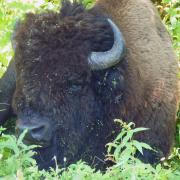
x,y
104,60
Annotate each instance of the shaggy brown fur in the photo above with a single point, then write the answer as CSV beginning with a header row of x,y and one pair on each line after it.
x,y
55,81
152,84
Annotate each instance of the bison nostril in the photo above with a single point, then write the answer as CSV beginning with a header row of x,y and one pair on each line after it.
x,y
38,131
35,134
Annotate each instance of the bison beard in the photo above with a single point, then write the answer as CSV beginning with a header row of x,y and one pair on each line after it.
x,y
68,107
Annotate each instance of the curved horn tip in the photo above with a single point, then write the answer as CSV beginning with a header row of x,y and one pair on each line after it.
x,y
104,60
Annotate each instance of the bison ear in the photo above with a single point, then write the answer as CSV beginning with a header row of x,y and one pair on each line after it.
x,y
13,36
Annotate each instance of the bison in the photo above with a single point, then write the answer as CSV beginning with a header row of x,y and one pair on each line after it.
x,y
77,70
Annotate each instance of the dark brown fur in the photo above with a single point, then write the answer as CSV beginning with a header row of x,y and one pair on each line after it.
x,y
51,58
55,80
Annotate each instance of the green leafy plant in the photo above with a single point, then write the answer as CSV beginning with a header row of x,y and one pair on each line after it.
x,y
16,161
15,156
124,145
122,152
170,14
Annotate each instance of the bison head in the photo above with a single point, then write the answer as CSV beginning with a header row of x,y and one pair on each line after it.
x,y
67,82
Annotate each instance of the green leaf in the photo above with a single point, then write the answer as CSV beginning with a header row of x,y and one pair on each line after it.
x,y
146,146
138,146
127,138
140,129
21,137
120,135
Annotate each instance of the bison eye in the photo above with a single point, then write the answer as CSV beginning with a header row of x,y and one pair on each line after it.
x,y
75,88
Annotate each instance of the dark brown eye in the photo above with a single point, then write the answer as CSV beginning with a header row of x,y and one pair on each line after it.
x,y
75,88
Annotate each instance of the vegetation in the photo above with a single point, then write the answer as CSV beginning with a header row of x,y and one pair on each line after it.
x,y
16,158
16,161
170,14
